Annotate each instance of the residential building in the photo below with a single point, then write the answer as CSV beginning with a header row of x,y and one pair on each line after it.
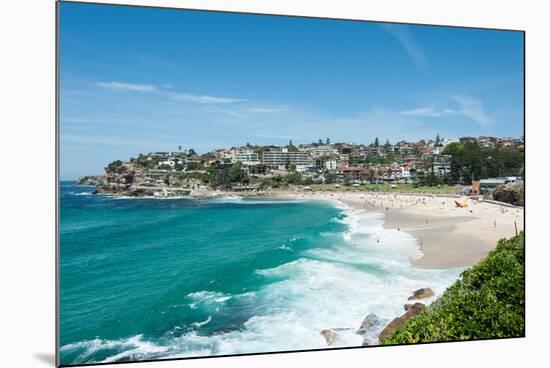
x,y
330,165
275,158
250,158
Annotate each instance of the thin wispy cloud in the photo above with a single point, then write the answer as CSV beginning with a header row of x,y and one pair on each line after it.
x,y
121,86
403,35
426,111
468,106
204,99
473,108
166,90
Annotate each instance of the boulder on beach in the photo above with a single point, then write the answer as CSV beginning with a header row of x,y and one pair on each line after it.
x,y
412,311
368,323
409,306
329,335
422,293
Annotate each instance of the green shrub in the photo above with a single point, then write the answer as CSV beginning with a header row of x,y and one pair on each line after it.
x,y
513,195
486,302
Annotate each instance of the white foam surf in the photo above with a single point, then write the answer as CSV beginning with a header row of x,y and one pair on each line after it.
x,y
208,297
200,324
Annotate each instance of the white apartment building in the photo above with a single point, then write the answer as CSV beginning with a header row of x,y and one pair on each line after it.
x,y
330,165
282,158
251,158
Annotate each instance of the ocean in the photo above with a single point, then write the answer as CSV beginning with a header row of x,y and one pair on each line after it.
x,y
144,278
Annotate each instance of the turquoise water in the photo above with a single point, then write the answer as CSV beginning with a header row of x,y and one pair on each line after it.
x,y
153,279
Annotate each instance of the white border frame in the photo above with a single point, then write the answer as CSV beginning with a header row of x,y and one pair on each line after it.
x,y
28,226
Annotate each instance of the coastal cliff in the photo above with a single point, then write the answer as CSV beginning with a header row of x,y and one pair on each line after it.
x,y
123,178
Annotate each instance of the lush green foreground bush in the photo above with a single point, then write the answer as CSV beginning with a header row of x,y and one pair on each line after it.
x,y
486,302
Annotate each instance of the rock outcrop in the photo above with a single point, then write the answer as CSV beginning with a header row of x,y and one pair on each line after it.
x,y
412,311
124,178
91,180
332,334
368,323
329,335
422,293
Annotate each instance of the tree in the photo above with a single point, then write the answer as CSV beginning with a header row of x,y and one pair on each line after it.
x,y
320,141
328,140
114,167
194,166
192,152
469,161
437,140
330,178
165,167
179,149
236,174
376,142
430,179
293,178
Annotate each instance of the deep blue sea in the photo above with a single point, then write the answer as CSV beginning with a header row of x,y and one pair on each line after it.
x,y
163,278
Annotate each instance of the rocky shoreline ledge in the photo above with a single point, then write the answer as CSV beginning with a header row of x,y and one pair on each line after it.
x,y
197,191
372,322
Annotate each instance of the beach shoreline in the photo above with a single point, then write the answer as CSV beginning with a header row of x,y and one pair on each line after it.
x,y
448,236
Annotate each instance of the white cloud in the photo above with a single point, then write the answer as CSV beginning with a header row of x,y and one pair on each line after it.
x,y
121,86
472,108
425,111
203,99
468,106
404,36
179,96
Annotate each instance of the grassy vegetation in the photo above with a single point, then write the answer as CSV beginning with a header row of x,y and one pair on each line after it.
x,y
387,188
486,302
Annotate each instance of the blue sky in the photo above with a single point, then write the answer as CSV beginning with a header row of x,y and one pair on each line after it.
x,y
139,80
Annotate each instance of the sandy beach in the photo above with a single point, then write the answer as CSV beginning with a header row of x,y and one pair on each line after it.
x,y
447,235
